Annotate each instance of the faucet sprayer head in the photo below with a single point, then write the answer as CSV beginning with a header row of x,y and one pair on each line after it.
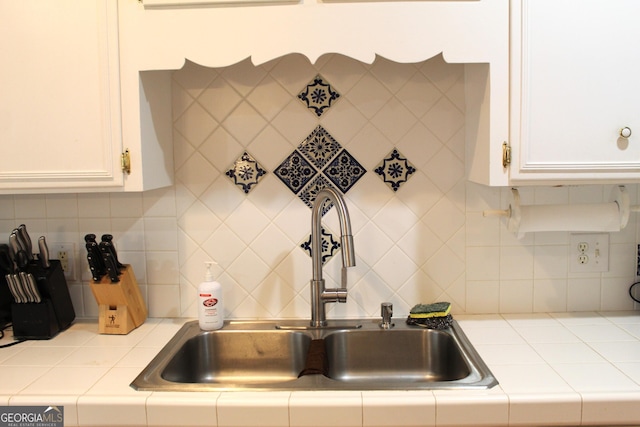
x,y
348,254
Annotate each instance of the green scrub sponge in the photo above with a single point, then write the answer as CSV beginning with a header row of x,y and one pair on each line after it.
x,y
431,316
437,309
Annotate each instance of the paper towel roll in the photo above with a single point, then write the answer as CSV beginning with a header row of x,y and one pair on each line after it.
x,y
579,217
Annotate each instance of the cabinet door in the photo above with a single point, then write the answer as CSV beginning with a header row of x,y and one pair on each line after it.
x,y
575,86
60,102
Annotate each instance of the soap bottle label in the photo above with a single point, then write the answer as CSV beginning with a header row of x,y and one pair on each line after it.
x,y
209,302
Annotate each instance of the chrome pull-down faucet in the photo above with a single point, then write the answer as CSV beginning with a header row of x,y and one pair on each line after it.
x,y
319,295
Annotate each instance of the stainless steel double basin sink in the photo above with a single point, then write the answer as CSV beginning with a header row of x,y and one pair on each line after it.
x,y
285,355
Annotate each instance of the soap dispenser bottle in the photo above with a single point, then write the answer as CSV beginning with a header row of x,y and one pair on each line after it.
x,y
210,311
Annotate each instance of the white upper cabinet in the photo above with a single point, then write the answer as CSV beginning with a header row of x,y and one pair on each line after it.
x,y
60,115
574,88
162,34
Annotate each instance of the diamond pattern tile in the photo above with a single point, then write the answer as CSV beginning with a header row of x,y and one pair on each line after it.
x,y
318,95
344,171
319,147
330,246
246,172
295,171
341,169
309,193
395,170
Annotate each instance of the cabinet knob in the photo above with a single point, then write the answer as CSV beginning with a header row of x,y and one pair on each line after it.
x,y
625,132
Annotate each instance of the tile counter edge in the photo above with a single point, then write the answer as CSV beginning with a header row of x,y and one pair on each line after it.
x,y
536,386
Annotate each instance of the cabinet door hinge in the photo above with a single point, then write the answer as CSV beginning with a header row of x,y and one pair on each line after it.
x,y
125,162
506,155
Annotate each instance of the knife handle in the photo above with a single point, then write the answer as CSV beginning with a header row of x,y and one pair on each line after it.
x,y
26,289
20,295
96,273
22,260
13,287
26,240
43,251
112,269
108,239
96,257
33,285
14,245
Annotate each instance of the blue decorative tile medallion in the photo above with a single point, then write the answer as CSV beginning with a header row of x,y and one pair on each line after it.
x,y
344,171
329,245
295,171
246,172
319,150
318,95
395,170
308,195
319,147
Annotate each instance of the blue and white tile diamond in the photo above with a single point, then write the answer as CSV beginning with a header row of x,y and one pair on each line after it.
x,y
309,193
295,171
319,147
395,170
318,95
329,245
319,150
246,172
344,171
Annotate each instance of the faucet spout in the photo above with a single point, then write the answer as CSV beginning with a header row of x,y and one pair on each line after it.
x,y
319,295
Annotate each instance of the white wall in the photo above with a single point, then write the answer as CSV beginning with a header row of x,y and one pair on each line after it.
x,y
426,242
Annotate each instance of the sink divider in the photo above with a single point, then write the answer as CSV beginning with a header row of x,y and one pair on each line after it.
x,y
317,362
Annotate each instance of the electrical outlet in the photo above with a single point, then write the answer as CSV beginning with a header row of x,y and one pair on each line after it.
x,y
65,253
589,252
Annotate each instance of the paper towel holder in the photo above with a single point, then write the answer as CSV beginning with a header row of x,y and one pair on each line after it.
x,y
513,213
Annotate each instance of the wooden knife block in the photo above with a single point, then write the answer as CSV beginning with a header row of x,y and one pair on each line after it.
x,y
121,307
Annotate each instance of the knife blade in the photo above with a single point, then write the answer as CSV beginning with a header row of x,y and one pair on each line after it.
x,y
43,252
26,240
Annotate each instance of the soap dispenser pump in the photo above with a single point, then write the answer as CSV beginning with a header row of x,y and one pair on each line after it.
x,y
210,309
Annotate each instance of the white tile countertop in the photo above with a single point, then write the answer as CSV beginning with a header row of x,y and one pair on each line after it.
x,y
553,369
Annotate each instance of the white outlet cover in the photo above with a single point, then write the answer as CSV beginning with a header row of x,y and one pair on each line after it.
x,y
597,252
55,248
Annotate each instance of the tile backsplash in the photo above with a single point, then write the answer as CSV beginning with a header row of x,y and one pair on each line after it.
x,y
418,226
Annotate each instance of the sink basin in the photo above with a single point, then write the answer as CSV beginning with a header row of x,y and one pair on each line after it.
x,y
270,355
239,357
407,356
